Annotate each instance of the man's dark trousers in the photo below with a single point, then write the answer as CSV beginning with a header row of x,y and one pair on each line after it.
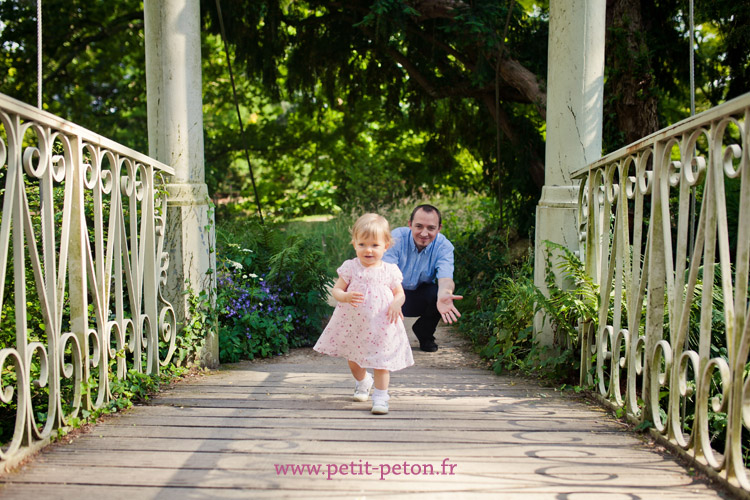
x,y
422,302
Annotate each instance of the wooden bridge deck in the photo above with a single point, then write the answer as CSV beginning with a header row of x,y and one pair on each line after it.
x,y
229,434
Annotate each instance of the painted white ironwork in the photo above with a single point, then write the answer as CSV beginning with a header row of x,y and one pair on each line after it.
x,y
671,340
82,263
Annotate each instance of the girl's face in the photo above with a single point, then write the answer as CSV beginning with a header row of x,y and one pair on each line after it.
x,y
370,250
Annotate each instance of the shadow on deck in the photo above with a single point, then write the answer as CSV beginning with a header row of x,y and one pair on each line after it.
x,y
455,430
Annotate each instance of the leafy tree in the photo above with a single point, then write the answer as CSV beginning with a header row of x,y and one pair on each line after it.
x,y
648,69
723,56
93,63
429,67
454,72
351,102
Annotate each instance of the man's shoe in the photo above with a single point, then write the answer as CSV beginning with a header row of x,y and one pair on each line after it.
x,y
429,346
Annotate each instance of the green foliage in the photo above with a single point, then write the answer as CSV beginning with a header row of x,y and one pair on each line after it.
x,y
501,302
483,246
93,64
136,387
347,103
644,426
499,296
511,342
573,296
202,318
717,324
331,233
271,291
322,159
723,58
377,102
653,62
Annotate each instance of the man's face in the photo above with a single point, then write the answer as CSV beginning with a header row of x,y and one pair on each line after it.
x,y
424,228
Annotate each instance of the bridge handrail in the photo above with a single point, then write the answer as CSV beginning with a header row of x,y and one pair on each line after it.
x,y
82,230
671,340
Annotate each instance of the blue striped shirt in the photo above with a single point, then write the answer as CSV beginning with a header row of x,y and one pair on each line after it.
x,y
434,262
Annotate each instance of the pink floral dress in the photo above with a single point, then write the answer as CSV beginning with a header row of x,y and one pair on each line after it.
x,y
363,334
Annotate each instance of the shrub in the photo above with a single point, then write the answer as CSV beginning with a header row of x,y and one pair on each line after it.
x,y
501,300
271,290
499,296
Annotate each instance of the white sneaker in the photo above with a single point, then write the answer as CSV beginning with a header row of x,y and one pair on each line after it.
x,y
379,406
362,388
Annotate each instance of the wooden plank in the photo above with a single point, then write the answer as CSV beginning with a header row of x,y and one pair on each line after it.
x,y
323,403
507,424
63,492
525,399
338,368
306,414
307,446
377,434
398,391
350,415
387,476
637,463
328,374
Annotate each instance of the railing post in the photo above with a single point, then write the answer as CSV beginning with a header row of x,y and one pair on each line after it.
x,y
78,288
175,130
574,125
657,279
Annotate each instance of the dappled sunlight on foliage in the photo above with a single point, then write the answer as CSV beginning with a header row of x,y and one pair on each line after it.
x,y
271,290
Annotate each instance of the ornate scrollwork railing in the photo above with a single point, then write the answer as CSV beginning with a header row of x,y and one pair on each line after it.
x,y
665,230
82,265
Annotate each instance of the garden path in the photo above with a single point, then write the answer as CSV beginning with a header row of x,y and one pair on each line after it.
x,y
225,435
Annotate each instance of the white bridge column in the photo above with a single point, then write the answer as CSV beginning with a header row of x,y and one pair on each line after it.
x,y
575,82
175,136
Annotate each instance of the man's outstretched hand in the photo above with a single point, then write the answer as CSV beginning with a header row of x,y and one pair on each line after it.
x,y
447,309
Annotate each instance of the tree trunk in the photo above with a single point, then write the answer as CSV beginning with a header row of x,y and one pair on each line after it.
x,y
630,82
536,165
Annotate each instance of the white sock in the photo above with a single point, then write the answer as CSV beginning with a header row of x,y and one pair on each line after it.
x,y
365,380
380,394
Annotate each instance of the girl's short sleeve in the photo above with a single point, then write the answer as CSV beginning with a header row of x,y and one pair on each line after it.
x,y
346,271
395,276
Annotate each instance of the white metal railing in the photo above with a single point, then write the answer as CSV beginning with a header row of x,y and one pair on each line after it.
x,y
82,265
670,343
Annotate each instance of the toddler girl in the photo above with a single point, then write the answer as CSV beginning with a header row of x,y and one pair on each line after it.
x,y
367,325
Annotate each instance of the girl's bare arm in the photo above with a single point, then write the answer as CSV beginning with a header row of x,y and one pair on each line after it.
x,y
341,294
394,311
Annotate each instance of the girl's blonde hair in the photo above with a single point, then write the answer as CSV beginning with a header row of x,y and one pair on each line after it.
x,y
371,226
